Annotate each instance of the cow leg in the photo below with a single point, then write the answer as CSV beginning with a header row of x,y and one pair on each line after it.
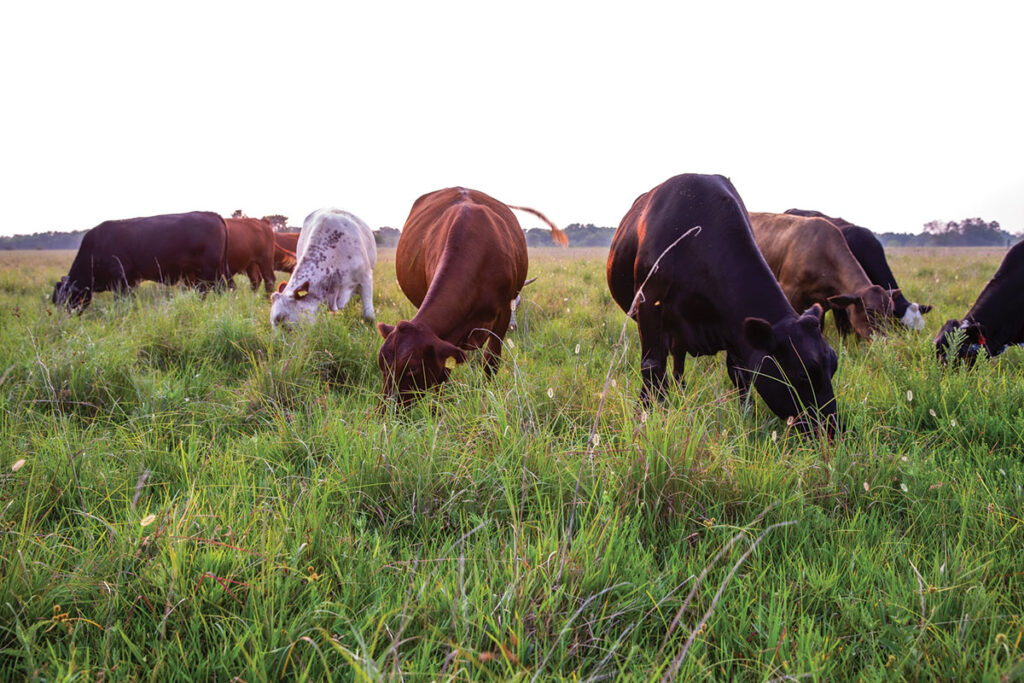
x,y
366,294
678,362
267,271
492,353
340,298
653,352
253,272
739,375
843,324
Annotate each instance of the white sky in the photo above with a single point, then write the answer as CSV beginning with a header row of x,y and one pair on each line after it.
x,y
887,113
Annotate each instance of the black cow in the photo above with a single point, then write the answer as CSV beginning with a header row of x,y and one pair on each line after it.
x,y
870,253
117,255
714,291
996,320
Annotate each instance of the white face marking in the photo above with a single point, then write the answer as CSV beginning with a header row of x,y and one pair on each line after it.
x,y
913,318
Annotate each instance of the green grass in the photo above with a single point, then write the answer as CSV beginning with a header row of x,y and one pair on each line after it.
x,y
202,498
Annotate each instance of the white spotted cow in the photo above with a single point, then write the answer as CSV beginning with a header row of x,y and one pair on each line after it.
x,y
336,254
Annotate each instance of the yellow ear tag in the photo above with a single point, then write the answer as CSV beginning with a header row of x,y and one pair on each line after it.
x,y
449,362
301,294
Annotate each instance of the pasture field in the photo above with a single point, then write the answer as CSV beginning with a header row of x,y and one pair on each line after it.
x,y
186,495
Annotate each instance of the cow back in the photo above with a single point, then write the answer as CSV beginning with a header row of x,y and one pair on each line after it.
x,y
461,230
161,248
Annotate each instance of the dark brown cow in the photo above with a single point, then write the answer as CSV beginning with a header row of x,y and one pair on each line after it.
x,y
251,250
713,291
462,260
117,255
285,257
814,265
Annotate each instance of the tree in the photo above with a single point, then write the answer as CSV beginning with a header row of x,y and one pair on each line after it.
x,y
238,213
278,222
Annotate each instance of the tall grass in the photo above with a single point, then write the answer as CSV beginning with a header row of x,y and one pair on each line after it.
x,y
187,494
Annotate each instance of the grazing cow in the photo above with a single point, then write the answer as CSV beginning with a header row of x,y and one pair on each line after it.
x,y
462,260
251,250
117,255
336,256
285,244
996,320
713,291
814,266
870,253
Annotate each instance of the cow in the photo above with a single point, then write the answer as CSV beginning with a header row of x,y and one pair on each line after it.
x,y
336,256
117,255
813,264
251,250
285,244
995,321
870,253
462,260
713,291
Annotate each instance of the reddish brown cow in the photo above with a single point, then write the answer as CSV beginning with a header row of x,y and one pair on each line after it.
x,y
251,250
462,260
814,265
285,258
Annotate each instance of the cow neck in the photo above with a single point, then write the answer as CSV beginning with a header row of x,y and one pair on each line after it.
x,y
849,275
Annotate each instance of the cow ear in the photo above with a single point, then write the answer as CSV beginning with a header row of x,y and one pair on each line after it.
x,y
813,318
894,292
759,333
450,355
385,329
302,291
924,308
974,333
281,285
842,300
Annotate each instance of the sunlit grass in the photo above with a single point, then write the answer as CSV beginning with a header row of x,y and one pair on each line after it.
x,y
187,494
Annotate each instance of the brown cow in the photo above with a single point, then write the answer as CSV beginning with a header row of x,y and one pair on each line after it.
x,y
814,265
251,250
285,257
462,260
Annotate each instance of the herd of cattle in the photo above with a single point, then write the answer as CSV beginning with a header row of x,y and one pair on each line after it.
x,y
695,270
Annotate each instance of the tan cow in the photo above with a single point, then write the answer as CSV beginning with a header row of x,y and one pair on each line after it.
x,y
814,265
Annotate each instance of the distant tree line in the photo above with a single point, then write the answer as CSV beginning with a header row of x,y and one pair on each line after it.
x,y
44,240
588,235
970,232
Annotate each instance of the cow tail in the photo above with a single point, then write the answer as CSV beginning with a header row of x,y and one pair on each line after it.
x,y
557,235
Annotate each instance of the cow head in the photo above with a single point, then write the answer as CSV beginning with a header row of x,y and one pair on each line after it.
x,y
413,359
796,365
70,294
968,337
914,315
868,308
292,304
